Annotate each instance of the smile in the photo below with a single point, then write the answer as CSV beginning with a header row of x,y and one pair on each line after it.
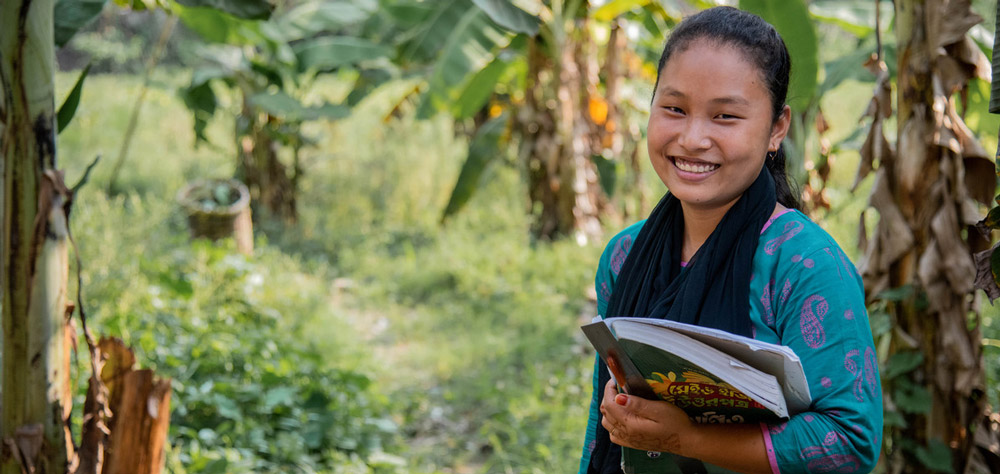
x,y
692,167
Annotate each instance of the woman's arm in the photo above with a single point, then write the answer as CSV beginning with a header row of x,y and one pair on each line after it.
x,y
660,426
819,312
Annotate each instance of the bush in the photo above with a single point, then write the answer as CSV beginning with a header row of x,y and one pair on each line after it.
x,y
253,390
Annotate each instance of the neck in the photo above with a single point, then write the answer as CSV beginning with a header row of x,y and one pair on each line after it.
x,y
699,223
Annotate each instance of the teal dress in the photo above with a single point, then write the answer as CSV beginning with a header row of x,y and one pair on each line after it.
x,y
805,294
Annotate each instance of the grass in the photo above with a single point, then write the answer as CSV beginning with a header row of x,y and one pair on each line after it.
x,y
467,332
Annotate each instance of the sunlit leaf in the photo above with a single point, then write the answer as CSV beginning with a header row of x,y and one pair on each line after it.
x,y
614,8
310,18
509,16
218,27
478,90
409,14
69,16
68,108
287,107
483,149
848,66
200,100
472,45
424,42
855,17
792,20
247,9
332,52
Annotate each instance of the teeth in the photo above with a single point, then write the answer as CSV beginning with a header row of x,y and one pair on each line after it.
x,y
692,167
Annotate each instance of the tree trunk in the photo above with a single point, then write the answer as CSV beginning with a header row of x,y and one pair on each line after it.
x,y
924,192
258,165
558,134
35,368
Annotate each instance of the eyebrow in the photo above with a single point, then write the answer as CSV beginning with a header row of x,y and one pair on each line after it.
x,y
729,99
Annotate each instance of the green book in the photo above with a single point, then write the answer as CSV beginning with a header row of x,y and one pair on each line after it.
x,y
714,376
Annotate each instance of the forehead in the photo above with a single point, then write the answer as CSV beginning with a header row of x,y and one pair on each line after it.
x,y
709,68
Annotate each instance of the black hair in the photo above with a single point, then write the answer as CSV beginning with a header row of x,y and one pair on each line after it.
x,y
763,47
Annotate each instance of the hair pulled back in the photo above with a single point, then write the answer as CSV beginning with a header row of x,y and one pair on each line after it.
x,y
762,47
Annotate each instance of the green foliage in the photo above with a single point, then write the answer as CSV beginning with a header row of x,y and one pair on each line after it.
x,y
68,108
331,53
936,456
253,390
506,14
248,9
791,19
467,336
901,363
483,149
69,16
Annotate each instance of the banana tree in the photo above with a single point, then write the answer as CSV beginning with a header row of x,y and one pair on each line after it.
x,y
269,68
37,336
530,79
928,189
579,110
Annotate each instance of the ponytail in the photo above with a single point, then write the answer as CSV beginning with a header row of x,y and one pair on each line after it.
x,y
787,193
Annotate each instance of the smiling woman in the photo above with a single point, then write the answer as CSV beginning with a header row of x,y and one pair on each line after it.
x,y
726,248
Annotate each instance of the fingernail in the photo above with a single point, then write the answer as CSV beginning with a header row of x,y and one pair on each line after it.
x,y
621,399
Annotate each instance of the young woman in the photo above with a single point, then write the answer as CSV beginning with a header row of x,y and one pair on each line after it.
x,y
726,248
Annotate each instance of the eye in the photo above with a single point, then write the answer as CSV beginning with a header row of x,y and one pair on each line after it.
x,y
728,117
673,110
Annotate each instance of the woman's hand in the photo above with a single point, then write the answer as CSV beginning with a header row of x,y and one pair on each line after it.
x,y
649,425
654,425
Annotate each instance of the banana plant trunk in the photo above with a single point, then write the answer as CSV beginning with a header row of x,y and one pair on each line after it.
x,y
258,165
36,397
557,134
925,190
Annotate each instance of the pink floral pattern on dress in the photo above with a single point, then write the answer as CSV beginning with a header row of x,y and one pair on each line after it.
x,y
765,301
785,292
776,429
811,321
857,372
620,253
790,230
871,371
823,459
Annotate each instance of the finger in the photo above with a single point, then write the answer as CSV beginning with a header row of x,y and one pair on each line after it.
x,y
610,389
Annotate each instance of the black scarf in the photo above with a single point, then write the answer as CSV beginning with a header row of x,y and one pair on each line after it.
x,y
712,291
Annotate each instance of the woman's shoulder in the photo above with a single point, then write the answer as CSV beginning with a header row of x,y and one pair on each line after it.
x,y
618,247
793,242
793,231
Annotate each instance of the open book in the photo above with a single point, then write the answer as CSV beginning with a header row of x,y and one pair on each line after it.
x,y
713,375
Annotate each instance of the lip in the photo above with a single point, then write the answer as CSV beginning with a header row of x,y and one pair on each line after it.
x,y
693,175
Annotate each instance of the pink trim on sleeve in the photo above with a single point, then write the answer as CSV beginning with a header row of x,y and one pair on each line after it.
x,y
766,431
769,221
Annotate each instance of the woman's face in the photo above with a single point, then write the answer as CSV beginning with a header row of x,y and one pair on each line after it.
x,y
710,126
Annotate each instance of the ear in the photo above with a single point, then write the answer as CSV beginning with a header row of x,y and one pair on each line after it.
x,y
780,128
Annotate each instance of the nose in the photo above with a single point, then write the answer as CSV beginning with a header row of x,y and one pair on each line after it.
x,y
694,136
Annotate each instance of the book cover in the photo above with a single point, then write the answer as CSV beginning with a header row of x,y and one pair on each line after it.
x,y
701,394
